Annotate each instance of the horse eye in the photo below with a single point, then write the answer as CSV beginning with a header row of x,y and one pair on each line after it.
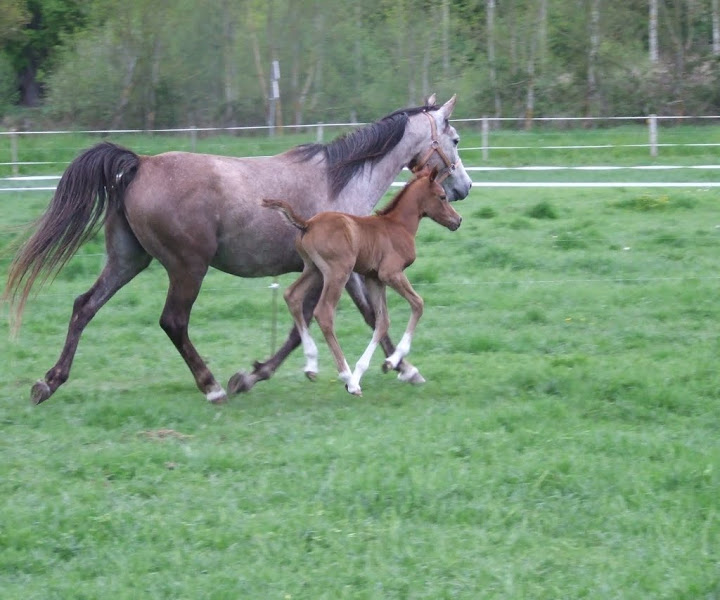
x,y
456,141
443,197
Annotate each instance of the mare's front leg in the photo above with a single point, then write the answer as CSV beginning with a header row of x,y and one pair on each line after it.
x,y
184,287
243,382
402,286
358,292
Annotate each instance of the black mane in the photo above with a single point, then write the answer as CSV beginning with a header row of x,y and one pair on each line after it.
x,y
347,154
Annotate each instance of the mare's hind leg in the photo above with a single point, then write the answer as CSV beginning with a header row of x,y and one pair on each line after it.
x,y
125,259
184,288
357,290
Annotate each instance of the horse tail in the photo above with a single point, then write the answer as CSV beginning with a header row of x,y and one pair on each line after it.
x,y
95,179
287,210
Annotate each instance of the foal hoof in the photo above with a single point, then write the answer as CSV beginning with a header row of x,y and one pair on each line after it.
x,y
387,367
311,375
240,382
357,392
412,376
40,392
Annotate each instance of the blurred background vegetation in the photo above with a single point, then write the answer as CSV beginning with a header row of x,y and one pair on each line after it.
x,y
161,63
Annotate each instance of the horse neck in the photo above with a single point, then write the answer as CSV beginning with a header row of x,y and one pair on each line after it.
x,y
407,213
364,191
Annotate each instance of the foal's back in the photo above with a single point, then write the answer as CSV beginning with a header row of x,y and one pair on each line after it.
x,y
366,245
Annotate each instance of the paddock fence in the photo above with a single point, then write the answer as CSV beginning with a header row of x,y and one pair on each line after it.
x,y
39,174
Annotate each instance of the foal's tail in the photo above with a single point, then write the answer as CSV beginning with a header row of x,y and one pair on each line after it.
x,y
286,209
94,180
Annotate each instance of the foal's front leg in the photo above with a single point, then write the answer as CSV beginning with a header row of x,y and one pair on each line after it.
x,y
357,290
402,286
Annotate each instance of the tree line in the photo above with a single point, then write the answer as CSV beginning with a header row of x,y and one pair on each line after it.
x,y
162,63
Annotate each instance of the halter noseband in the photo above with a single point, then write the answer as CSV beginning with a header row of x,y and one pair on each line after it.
x,y
435,147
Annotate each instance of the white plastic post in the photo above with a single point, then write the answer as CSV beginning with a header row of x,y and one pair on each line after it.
x,y
652,125
485,137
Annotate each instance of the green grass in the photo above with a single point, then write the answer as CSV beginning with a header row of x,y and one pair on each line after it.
x,y
566,445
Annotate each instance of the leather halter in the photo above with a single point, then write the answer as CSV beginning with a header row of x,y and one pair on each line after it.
x,y
435,147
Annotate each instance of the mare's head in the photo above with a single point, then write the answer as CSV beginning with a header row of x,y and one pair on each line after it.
x,y
433,200
443,150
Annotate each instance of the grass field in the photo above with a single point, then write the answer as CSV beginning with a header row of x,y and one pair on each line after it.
x,y
566,444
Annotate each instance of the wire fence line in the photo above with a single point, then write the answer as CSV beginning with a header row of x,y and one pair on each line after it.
x,y
259,285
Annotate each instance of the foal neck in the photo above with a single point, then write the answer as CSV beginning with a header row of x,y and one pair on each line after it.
x,y
405,210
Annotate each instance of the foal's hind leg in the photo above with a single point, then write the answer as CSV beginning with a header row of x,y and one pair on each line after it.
x,y
357,290
376,293
325,316
295,299
243,382
125,259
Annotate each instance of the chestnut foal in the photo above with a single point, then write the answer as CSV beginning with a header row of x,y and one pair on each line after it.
x,y
380,247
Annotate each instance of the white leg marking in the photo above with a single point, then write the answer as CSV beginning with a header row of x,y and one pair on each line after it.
x,y
345,374
411,375
310,350
401,350
215,395
361,366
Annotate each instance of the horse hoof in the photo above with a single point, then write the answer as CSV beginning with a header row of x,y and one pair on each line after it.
x,y
240,382
357,392
40,392
217,397
412,376
311,375
387,366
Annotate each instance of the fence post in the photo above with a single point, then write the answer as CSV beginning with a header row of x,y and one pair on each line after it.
x,y
320,133
14,151
485,137
193,138
652,124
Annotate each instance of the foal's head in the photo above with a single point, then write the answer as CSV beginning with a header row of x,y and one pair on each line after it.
x,y
434,202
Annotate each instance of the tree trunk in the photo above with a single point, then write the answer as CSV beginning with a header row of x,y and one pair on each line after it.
x,y
128,85
230,69
154,82
490,16
445,19
715,28
653,31
29,87
591,99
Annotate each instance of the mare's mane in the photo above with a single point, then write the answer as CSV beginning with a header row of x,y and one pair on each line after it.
x,y
347,154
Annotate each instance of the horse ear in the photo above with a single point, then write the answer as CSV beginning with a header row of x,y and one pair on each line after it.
x,y
447,108
431,100
434,173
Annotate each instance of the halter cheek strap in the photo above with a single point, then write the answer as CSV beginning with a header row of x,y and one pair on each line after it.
x,y
435,147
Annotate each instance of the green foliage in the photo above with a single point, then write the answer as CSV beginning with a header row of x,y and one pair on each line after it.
x,y
169,64
8,87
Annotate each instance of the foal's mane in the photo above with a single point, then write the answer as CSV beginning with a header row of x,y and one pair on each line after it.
x,y
347,154
390,206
